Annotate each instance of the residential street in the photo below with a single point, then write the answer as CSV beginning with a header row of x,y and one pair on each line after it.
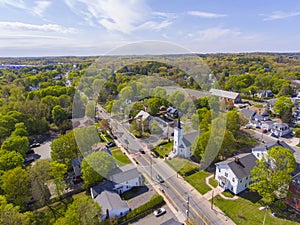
x,y
175,190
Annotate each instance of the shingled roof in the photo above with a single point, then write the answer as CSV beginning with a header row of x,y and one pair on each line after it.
x,y
241,165
224,94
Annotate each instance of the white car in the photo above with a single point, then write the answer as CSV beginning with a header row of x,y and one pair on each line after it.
x,y
159,212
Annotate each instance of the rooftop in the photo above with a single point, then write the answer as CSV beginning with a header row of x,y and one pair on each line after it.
x,y
224,94
109,200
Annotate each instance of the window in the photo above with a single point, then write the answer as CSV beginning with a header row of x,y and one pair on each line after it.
x,y
246,178
231,188
257,154
219,170
241,181
245,185
233,180
226,174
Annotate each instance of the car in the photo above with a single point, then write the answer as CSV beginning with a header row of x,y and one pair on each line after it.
x,y
264,131
28,160
34,145
159,178
110,144
29,152
248,126
142,151
77,180
159,212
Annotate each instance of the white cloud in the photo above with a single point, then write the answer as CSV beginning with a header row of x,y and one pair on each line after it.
x,y
280,15
208,15
40,7
15,3
211,34
19,27
117,15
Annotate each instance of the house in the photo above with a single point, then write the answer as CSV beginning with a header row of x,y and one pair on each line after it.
x,y
265,94
172,111
125,178
228,96
267,125
144,116
293,198
111,204
280,129
182,143
76,164
233,174
262,150
248,114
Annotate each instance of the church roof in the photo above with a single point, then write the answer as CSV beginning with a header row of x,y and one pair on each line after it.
x,y
188,139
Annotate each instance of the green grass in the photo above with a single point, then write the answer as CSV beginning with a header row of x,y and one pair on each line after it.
x,y
246,212
163,149
228,194
182,166
197,180
213,182
119,156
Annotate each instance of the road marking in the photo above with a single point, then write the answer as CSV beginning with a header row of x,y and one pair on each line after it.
x,y
191,207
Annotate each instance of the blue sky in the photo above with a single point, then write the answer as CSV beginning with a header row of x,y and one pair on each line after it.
x,y
93,27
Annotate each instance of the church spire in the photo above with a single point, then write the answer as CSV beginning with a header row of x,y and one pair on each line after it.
x,y
179,124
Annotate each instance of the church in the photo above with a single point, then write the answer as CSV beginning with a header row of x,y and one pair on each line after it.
x,y
182,143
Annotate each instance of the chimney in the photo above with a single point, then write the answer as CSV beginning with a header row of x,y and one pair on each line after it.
x,y
236,159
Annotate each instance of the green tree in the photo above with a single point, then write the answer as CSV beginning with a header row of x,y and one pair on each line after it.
x,y
95,167
16,186
64,149
16,143
20,130
155,128
58,170
233,123
282,105
271,177
10,160
10,214
59,114
83,211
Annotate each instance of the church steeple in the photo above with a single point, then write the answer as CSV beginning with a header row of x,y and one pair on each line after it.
x,y
179,124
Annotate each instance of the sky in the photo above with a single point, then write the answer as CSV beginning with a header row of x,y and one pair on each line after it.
x,y
95,27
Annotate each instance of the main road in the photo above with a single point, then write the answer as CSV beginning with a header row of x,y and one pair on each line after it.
x,y
184,199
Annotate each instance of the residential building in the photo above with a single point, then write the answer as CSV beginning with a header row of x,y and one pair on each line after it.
x,y
267,124
280,129
76,164
293,198
262,150
111,205
266,94
233,174
227,96
172,111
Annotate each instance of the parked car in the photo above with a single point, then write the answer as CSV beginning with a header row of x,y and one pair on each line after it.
x,y
34,145
28,160
142,151
76,180
159,178
264,131
29,152
159,212
110,144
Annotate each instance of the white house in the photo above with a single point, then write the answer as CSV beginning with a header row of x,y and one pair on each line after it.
x,y
125,178
280,129
262,150
182,143
228,96
233,174
111,205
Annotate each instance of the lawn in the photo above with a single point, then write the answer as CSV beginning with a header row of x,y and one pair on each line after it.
x,y
119,156
163,149
228,194
183,166
213,182
246,212
197,180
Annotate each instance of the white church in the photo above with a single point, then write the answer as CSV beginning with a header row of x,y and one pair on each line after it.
x,y
182,143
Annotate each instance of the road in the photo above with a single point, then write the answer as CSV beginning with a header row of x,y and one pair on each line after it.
x,y
174,189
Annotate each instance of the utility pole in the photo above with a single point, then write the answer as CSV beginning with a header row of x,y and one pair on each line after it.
x,y
151,169
212,199
265,215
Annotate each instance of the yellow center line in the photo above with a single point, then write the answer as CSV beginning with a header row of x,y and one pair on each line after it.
x,y
177,192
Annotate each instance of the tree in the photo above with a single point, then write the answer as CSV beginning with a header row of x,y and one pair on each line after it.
x,y
82,211
58,170
10,214
59,115
64,149
155,128
16,186
39,174
20,130
95,167
16,143
282,105
233,123
10,160
271,176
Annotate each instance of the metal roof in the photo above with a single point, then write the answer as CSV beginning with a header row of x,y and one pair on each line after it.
x,y
224,94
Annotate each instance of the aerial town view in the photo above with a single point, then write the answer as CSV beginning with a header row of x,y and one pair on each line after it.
x,y
149,112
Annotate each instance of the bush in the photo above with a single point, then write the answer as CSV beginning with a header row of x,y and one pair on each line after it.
x,y
297,132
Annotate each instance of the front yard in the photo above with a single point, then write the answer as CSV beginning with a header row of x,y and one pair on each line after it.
x,y
163,149
119,156
245,211
182,166
197,180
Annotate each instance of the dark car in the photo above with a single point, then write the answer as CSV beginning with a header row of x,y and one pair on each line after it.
x,y
110,144
28,160
159,178
29,152
77,180
142,151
